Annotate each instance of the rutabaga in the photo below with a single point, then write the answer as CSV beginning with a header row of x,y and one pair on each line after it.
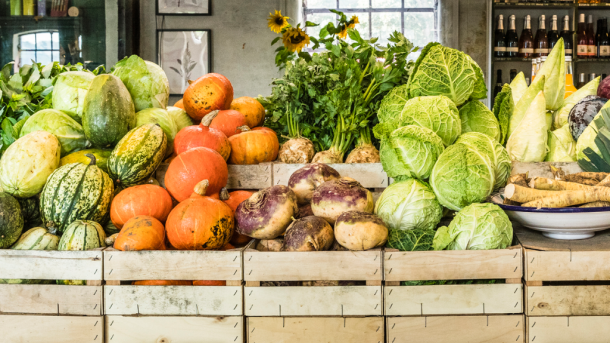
x,y
27,163
528,142
476,117
562,147
554,71
518,87
560,117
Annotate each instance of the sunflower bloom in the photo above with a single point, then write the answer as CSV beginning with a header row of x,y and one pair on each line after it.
x,y
351,24
295,39
277,21
343,33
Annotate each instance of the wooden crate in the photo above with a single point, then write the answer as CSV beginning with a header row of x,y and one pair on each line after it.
x,y
51,298
314,329
456,329
277,301
589,329
129,266
256,176
149,329
51,329
370,175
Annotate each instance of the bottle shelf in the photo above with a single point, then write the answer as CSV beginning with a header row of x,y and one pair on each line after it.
x,y
517,5
593,60
593,6
511,59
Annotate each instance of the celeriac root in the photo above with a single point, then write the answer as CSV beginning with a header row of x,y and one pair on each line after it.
x,y
585,177
596,204
543,183
327,156
297,150
522,194
364,154
571,198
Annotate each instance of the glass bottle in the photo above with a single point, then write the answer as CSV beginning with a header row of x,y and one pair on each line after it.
x,y
581,38
569,77
541,43
513,74
498,87
512,39
581,81
554,33
566,34
603,40
591,47
526,41
500,38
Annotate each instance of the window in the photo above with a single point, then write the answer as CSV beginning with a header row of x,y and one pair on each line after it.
x,y
40,46
416,19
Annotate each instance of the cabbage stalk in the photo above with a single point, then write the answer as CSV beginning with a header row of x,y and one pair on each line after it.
x,y
528,142
562,147
560,118
554,71
518,87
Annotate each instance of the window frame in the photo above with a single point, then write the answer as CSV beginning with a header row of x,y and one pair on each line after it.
x,y
370,10
17,45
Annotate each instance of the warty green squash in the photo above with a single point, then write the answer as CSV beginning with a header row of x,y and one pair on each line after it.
x,y
81,235
137,155
75,191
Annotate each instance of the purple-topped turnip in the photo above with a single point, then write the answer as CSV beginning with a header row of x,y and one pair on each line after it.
x,y
360,231
335,197
308,234
267,213
305,211
304,181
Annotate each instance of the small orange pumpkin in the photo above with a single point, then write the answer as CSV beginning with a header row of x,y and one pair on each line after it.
x,y
179,104
254,146
141,233
163,283
146,200
209,283
206,94
200,223
251,109
203,135
229,122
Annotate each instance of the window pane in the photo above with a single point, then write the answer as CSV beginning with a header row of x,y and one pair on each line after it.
x,y
387,3
419,28
28,42
55,56
43,40
354,3
27,57
321,4
43,57
55,40
419,3
322,19
384,24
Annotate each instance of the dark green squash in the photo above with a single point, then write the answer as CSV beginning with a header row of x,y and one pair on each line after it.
x,y
11,220
75,191
30,211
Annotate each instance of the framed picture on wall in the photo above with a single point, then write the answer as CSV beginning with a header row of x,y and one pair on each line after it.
x,y
184,7
184,55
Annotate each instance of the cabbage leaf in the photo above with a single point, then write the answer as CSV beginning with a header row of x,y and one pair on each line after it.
x,y
146,82
69,132
180,117
562,147
503,111
495,151
528,142
554,71
69,93
476,117
518,87
524,103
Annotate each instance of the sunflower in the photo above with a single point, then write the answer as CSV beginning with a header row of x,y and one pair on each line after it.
x,y
277,21
351,24
343,33
295,39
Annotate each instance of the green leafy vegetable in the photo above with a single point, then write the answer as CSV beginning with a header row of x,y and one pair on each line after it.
x,y
69,92
561,115
146,82
528,142
597,157
562,147
503,110
554,71
69,132
587,138
476,117
410,240
180,117
495,151
524,104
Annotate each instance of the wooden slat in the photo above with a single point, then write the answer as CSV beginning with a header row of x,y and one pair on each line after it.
x,y
537,241
51,329
589,329
256,176
51,299
453,299
121,329
566,265
318,265
172,265
50,265
453,265
314,301
568,301
543,169
173,300
314,330
370,175
456,329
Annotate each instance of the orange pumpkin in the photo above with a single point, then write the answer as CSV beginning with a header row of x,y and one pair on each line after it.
x,y
209,283
146,200
203,136
251,109
228,122
192,166
254,146
200,189
233,199
206,94
141,233
200,223
179,104
163,283
276,141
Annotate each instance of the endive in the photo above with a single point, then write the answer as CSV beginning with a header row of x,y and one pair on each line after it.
x,y
518,86
554,70
524,103
528,142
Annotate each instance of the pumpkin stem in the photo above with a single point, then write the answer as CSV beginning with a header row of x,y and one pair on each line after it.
x,y
202,187
92,158
224,194
244,128
190,82
207,120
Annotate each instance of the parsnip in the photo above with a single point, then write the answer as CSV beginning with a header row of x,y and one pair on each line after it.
x,y
543,183
570,198
524,194
582,177
605,182
596,204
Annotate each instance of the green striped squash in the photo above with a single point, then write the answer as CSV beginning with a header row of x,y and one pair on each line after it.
x,y
81,235
137,155
75,191
11,220
37,238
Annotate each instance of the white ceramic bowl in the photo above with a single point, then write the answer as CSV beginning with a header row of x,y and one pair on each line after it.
x,y
559,223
